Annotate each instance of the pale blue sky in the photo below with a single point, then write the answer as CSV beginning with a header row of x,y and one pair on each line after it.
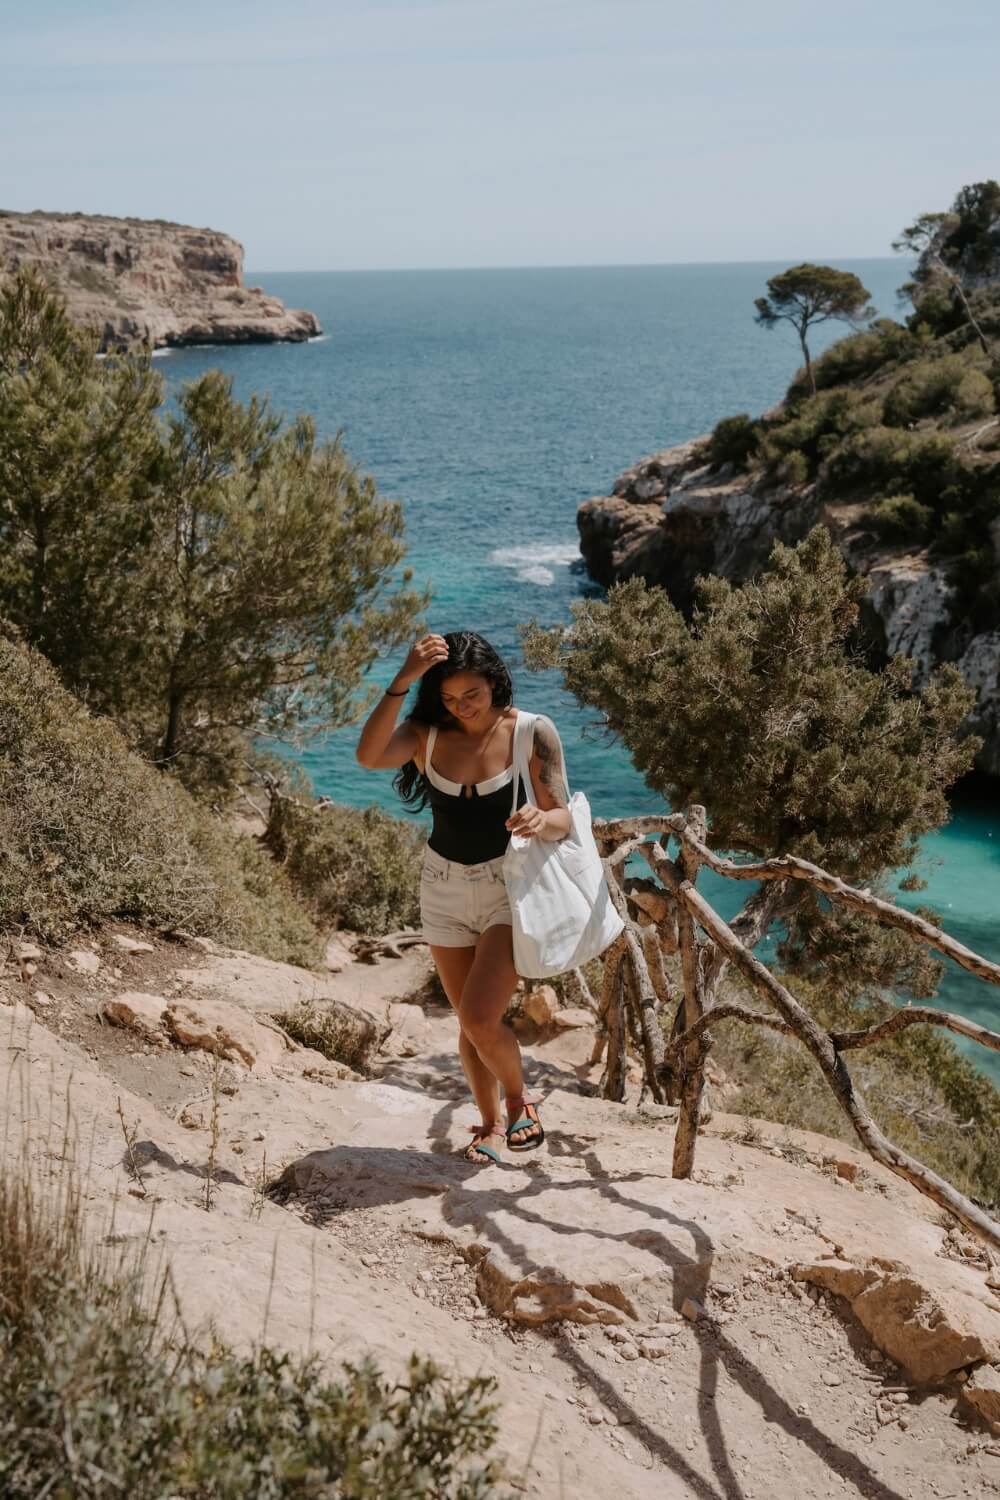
x,y
329,134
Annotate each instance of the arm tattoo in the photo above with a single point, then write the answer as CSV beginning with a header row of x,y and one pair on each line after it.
x,y
549,752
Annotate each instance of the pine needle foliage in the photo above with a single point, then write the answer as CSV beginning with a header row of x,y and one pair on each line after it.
x,y
757,709
202,576
806,295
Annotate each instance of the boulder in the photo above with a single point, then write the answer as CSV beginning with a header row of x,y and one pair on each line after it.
x,y
574,1019
541,1005
216,1026
929,1331
83,961
981,1394
410,1031
336,955
130,944
136,1009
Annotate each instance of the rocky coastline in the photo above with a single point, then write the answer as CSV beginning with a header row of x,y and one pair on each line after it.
x,y
672,517
150,281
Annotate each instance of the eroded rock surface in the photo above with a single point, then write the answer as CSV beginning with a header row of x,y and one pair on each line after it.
x,y
149,280
784,1323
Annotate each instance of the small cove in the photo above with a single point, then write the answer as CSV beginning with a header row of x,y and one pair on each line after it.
x,y
491,403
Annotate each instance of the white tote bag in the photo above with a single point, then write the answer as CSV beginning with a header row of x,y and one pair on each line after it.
x,y
563,914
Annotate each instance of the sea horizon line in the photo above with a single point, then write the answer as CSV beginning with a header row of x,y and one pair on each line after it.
x,y
638,265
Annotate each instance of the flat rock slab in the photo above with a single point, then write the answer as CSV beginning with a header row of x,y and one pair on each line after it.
x,y
389,1242
264,986
594,1229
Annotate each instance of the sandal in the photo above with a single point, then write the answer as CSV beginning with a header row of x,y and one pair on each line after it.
x,y
475,1150
528,1118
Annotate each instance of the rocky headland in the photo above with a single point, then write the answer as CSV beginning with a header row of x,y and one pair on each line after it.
x,y
147,280
891,440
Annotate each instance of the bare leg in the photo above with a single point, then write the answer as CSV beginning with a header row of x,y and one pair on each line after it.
x,y
486,994
453,966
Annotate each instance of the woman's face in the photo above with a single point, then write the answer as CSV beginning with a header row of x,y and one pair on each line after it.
x,y
466,695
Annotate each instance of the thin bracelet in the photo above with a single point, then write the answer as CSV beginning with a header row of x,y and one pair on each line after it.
x,y
389,694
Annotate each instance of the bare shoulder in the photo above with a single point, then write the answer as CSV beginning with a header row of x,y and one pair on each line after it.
x,y
420,753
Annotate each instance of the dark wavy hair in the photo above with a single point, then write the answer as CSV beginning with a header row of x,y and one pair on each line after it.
x,y
467,652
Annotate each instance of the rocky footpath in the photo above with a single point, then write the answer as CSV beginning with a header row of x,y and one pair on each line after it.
x,y
148,280
791,1322
672,517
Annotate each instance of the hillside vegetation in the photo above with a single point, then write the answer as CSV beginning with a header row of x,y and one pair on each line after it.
x,y
90,831
903,419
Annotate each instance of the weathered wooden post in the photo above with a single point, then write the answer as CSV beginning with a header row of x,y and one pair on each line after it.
x,y
613,1081
694,1054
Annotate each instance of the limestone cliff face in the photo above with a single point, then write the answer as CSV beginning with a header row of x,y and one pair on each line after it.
x,y
146,279
671,518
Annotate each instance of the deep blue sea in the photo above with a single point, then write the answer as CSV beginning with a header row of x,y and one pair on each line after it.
x,y
491,403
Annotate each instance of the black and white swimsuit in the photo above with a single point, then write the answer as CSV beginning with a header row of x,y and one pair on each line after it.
x,y
469,818
462,888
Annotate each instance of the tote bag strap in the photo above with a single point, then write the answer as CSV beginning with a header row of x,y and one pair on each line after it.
x,y
524,733
523,730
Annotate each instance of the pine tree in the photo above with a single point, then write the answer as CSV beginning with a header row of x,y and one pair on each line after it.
x,y
204,577
759,710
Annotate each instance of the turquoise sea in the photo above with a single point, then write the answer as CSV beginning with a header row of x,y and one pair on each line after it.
x,y
492,402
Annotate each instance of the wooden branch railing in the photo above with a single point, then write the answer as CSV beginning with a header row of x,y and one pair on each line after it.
x,y
664,915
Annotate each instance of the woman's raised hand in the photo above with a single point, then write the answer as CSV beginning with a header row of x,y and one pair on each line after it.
x,y
423,654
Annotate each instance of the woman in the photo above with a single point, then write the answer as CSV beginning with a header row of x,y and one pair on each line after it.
x,y
455,750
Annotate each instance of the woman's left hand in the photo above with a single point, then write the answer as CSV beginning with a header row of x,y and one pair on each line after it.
x,y
527,821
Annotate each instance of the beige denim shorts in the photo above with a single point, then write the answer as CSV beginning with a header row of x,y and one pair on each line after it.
x,y
458,902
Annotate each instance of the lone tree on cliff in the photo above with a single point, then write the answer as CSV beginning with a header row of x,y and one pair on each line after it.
x,y
965,242
203,579
805,295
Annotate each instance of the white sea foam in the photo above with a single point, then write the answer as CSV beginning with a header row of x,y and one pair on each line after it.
x,y
161,353
534,562
318,338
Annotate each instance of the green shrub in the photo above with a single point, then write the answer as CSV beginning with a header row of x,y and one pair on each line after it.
x,y
344,1035
733,441
895,462
857,356
791,468
937,387
99,1399
90,831
814,430
938,311
354,868
900,518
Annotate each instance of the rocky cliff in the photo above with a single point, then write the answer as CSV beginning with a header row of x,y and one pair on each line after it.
x,y
146,279
672,517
